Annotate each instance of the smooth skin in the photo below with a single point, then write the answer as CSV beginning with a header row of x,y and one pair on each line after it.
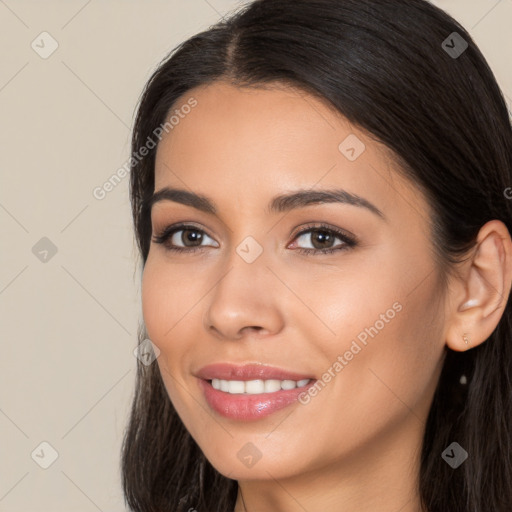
x,y
356,445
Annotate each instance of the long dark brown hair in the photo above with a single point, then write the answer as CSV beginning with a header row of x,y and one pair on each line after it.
x,y
386,66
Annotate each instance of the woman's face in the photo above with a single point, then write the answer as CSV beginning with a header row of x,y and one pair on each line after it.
x,y
364,322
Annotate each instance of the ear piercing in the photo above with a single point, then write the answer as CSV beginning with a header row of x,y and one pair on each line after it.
x,y
463,379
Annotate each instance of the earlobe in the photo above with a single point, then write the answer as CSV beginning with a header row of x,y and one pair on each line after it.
x,y
483,290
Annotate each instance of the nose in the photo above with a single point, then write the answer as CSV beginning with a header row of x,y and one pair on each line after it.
x,y
245,301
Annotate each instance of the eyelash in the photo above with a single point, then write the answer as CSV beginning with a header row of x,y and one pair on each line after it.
x,y
348,241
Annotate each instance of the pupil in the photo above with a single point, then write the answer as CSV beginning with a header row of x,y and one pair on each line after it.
x,y
190,235
324,237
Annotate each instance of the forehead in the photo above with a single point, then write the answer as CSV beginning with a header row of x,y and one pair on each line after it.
x,y
238,122
257,142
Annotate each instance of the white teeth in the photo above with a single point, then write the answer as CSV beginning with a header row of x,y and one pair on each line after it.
x,y
288,384
272,385
253,387
236,386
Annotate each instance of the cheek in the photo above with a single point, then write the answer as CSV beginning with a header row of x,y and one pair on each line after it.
x,y
162,300
344,302
152,295
163,305
172,315
395,369
387,330
167,296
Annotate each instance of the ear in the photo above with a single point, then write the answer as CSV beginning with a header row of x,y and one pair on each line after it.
x,y
478,297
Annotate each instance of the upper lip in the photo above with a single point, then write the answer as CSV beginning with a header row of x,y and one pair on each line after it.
x,y
229,371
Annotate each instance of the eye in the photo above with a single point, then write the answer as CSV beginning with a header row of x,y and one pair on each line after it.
x,y
322,238
189,236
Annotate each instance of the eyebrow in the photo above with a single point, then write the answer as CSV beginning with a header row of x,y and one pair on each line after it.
x,y
279,204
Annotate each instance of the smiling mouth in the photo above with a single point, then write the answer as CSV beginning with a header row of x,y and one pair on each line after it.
x,y
250,391
251,400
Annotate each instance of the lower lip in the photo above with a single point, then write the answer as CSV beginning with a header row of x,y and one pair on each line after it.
x,y
247,407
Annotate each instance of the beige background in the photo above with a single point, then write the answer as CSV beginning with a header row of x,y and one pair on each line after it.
x,y
68,325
